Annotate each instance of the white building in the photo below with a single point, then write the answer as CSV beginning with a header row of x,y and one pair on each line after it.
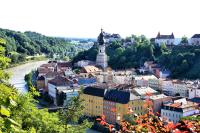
x,y
143,80
195,40
166,39
179,108
180,88
70,93
123,77
56,86
50,76
167,86
164,73
194,92
155,83
83,63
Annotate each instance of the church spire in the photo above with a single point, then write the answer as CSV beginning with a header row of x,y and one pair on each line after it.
x,y
101,38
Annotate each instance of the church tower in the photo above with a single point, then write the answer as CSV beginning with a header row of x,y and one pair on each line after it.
x,y
101,59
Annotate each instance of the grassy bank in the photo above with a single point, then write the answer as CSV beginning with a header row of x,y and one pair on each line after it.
x,y
28,60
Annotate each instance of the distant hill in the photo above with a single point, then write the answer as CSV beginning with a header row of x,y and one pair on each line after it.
x,y
31,43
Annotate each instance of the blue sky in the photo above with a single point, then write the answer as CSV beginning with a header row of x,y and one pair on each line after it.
x,y
84,18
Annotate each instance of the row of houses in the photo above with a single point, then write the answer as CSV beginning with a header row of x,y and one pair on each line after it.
x,y
171,87
116,103
171,40
154,68
60,82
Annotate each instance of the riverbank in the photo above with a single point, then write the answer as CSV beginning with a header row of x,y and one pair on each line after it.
x,y
29,60
18,73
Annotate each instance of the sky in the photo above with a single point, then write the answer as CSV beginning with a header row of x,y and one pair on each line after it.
x,y
85,18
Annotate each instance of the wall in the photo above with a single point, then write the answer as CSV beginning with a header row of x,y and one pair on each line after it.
x,y
93,105
171,115
166,41
109,108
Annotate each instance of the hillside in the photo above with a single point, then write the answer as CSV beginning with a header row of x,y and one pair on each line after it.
x,y
182,61
19,45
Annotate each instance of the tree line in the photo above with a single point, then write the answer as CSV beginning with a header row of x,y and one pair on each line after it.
x,y
19,114
20,45
182,60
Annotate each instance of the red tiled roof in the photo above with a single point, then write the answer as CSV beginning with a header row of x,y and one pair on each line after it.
x,y
59,81
64,64
52,74
175,105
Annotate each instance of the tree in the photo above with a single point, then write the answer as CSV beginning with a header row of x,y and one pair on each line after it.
x,y
14,58
71,113
184,40
19,114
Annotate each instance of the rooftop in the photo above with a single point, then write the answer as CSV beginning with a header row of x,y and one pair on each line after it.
x,y
160,96
60,81
64,64
181,104
89,69
159,36
52,74
145,77
94,91
196,36
195,99
118,96
48,65
142,91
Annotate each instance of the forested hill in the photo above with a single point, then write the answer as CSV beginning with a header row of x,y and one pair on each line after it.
x,y
31,43
183,60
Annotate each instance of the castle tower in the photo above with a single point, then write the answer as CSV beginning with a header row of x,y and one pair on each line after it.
x,y
101,59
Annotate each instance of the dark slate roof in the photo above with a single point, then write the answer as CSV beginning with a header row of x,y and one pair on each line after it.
x,y
196,36
94,91
41,78
195,99
101,38
159,36
152,40
117,96
60,81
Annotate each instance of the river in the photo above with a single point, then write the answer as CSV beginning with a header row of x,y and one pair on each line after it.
x,y
18,73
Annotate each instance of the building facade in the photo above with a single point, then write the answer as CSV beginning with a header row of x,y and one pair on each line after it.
x,y
179,108
164,39
101,59
195,40
93,101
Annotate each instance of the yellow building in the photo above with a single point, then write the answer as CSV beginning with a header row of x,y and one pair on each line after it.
x,y
134,106
93,101
112,103
137,106
118,103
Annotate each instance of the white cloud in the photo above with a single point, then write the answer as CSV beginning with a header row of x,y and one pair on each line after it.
x,y
84,18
